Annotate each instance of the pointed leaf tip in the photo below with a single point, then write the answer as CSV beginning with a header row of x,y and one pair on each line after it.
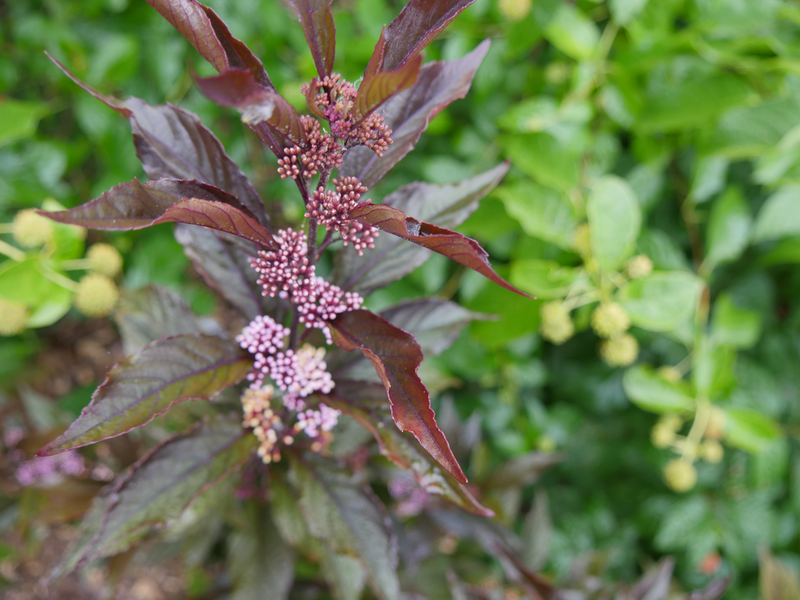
x,y
444,241
145,385
396,356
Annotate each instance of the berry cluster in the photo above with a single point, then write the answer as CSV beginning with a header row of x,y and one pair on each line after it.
x,y
332,98
286,272
331,208
263,337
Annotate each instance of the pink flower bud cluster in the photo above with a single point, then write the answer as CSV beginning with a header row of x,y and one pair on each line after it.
x,y
333,97
299,374
332,210
47,469
285,272
286,268
324,303
263,338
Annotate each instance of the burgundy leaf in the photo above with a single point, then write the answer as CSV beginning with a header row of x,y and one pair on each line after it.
x,y
317,21
135,205
396,356
225,268
415,27
379,87
218,216
210,37
145,385
365,402
447,205
408,113
172,142
376,60
258,104
448,243
159,489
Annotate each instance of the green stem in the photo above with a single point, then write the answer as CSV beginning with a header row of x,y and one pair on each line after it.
x,y
12,252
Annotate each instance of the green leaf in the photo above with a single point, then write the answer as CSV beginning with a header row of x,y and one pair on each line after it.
x,y
30,282
545,279
728,227
750,430
749,131
540,156
159,489
624,10
709,177
713,374
731,325
693,103
614,220
259,559
649,391
347,518
661,301
145,385
572,32
19,119
779,216
542,212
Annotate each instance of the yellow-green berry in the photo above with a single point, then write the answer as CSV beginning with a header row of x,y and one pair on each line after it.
x,y
515,10
31,229
609,320
672,422
96,295
662,436
711,450
556,325
679,475
671,374
104,259
13,317
716,424
639,266
582,240
620,351
546,444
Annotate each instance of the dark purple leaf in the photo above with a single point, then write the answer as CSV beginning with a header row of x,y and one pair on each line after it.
x,y
317,21
448,243
408,113
135,205
173,143
379,87
434,322
210,37
350,520
159,489
376,60
396,356
258,104
218,216
366,402
150,313
415,27
447,205
224,267
258,558
145,385
713,591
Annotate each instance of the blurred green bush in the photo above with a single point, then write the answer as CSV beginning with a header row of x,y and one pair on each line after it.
x,y
669,127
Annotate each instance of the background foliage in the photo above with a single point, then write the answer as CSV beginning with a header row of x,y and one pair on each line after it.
x,y
689,107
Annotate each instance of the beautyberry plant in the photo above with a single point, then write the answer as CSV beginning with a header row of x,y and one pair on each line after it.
x,y
292,332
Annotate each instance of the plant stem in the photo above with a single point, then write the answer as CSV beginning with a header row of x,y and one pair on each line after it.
x,y
12,252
